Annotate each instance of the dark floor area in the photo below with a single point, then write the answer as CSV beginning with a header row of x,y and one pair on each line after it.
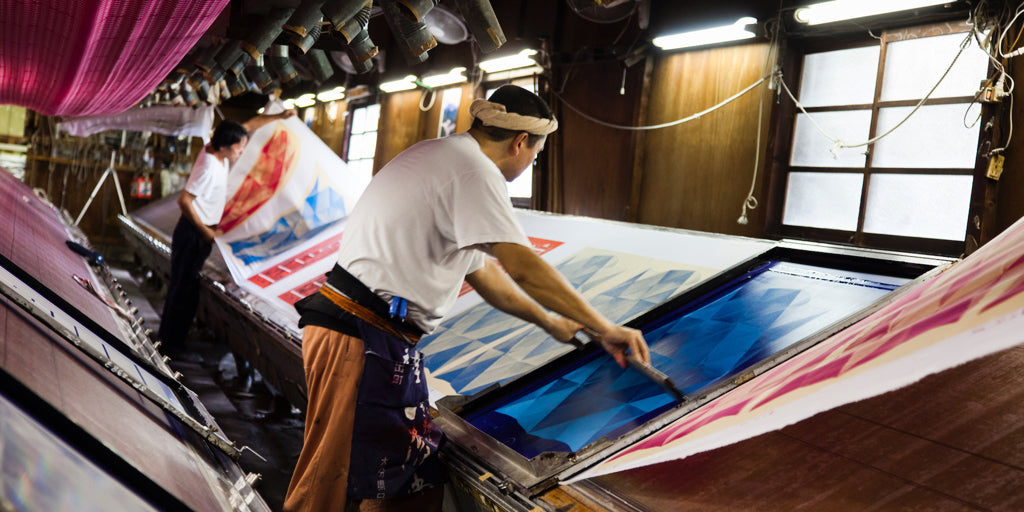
x,y
247,411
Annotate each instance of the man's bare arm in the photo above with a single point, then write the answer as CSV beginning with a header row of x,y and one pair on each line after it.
x,y
189,212
548,287
499,291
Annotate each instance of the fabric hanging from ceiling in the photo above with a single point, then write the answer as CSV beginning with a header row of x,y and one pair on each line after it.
x,y
167,120
89,57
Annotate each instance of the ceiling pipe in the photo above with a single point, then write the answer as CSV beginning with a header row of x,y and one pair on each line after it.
x,y
258,75
408,28
230,59
266,32
482,23
306,43
319,64
280,63
353,34
303,27
338,12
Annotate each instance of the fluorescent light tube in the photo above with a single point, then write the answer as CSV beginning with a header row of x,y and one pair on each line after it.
x,y
455,76
306,100
404,84
734,32
331,95
519,60
838,10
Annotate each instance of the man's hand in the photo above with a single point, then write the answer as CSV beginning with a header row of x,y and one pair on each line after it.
x,y
618,339
210,234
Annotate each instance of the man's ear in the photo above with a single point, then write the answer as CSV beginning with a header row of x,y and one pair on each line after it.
x,y
520,142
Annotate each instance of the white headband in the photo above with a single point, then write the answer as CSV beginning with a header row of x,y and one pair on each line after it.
x,y
494,114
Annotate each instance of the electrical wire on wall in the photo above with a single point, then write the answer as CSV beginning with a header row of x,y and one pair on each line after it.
x,y
983,20
837,143
770,64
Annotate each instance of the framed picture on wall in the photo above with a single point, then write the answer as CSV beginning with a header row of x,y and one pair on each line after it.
x,y
449,111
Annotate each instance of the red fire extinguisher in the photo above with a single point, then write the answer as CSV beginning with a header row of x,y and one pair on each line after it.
x,y
136,191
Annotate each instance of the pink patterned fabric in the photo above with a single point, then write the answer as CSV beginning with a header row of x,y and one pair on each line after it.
x,y
976,302
88,57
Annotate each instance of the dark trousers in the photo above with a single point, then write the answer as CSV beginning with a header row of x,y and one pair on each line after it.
x,y
188,253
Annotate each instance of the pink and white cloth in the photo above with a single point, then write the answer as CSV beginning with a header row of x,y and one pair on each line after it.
x,y
88,57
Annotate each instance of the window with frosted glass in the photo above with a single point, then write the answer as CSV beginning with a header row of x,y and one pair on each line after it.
x,y
362,140
914,66
823,200
839,77
934,137
928,206
812,149
916,180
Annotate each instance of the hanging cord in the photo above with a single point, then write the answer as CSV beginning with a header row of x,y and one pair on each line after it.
x,y
663,125
838,144
433,96
750,202
1003,75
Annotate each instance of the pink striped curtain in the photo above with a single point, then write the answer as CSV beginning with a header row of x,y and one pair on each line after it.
x,y
88,57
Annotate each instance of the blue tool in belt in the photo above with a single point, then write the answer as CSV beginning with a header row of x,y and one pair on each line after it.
x,y
399,307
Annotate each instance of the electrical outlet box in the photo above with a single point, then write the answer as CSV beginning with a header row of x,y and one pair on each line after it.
x,y
995,167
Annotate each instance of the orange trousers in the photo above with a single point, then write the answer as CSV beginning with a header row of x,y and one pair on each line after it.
x,y
333,364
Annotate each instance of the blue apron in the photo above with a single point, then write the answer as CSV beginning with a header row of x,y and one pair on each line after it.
x,y
394,440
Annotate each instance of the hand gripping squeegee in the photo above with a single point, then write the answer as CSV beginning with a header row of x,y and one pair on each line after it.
x,y
653,374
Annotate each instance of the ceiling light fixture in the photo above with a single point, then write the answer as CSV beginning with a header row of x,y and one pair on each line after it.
x,y
405,84
455,76
306,100
520,60
839,10
332,94
733,32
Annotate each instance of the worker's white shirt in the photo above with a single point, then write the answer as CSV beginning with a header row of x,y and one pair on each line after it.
x,y
209,183
416,229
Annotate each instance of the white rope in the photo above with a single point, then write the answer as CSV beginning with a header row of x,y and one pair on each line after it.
x,y
838,143
663,125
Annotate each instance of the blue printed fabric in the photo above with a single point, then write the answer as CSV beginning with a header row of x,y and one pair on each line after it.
x,y
697,346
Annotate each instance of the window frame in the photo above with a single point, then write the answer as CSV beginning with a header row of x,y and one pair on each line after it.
x,y
785,122
349,117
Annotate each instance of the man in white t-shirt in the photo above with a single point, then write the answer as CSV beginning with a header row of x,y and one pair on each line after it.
x,y
201,203
428,220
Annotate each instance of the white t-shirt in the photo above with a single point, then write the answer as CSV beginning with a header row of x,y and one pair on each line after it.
x,y
415,231
208,182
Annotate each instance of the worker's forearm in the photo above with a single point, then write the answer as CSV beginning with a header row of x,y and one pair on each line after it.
x,y
547,286
500,292
259,121
552,291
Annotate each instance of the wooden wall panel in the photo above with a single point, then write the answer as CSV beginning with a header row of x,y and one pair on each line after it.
x,y
331,131
403,124
696,175
596,161
400,125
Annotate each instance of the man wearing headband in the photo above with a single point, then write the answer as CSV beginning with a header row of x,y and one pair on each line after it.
x,y
427,221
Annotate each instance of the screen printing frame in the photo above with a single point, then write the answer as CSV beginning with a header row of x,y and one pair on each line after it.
x,y
533,476
84,444
191,414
